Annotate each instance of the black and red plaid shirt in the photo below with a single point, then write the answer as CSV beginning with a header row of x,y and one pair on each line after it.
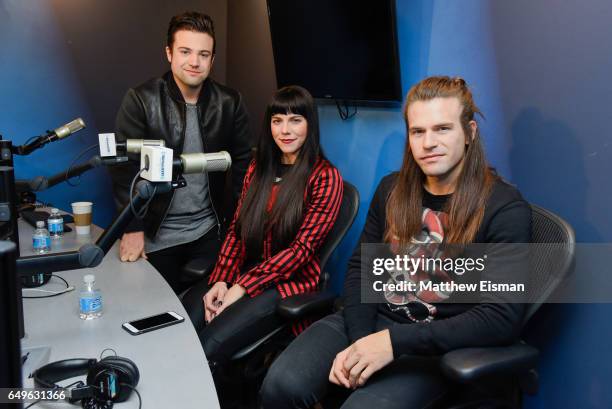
x,y
295,269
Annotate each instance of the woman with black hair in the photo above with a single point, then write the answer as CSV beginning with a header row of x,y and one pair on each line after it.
x,y
289,202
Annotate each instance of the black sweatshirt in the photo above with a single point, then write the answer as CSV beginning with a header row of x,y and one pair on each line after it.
x,y
507,219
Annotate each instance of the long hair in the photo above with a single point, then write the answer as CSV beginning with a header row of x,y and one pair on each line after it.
x,y
467,204
286,215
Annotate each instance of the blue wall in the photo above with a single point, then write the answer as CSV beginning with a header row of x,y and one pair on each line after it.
x,y
64,59
540,72
38,92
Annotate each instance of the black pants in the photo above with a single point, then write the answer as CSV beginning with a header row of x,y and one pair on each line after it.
x,y
170,261
300,376
241,324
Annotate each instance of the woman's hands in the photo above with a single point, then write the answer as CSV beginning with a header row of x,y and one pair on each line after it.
x,y
233,294
213,300
218,298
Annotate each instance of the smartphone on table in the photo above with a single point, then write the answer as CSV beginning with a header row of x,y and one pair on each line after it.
x,y
140,326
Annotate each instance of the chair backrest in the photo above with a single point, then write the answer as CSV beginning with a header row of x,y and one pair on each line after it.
x,y
549,265
346,216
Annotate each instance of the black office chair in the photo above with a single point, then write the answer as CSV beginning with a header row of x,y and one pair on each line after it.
x,y
251,362
300,306
549,266
197,270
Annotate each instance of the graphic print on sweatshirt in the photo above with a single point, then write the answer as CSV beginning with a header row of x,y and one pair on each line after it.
x,y
425,245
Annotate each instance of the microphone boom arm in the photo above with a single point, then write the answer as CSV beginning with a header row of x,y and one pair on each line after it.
x,y
58,133
39,183
91,255
39,142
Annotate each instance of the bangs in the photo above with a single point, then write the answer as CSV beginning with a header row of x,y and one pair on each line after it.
x,y
288,101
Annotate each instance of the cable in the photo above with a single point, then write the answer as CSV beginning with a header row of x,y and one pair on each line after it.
x,y
83,152
61,387
30,139
137,393
132,192
344,113
107,349
53,293
94,403
49,291
145,208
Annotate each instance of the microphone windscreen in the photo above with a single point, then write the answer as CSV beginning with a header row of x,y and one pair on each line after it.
x,y
70,128
206,162
218,164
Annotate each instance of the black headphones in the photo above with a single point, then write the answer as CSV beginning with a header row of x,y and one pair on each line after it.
x,y
109,380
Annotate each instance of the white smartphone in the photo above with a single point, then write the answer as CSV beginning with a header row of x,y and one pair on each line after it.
x,y
151,323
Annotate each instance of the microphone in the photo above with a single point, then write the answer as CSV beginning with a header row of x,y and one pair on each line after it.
x,y
205,162
136,145
157,164
58,133
109,146
67,130
87,256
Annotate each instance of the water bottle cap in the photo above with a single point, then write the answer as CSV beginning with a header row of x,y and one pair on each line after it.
x,y
40,224
54,210
89,278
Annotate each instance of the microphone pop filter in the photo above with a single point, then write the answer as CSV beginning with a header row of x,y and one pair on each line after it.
x,y
69,128
206,162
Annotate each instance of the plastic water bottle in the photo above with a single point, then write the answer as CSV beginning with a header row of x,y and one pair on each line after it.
x,y
90,299
41,241
55,222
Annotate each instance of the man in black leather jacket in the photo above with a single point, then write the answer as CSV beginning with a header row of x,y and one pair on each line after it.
x,y
191,113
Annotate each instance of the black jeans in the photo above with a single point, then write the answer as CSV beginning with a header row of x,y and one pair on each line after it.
x,y
170,261
299,378
241,324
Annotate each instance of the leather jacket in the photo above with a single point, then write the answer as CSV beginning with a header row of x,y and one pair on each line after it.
x,y
157,110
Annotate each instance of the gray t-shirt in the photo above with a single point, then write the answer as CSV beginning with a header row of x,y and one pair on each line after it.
x,y
190,215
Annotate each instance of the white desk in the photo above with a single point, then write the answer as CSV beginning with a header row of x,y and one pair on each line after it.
x,y
173,368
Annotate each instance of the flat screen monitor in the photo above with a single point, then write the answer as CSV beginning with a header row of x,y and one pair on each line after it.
x,y
8,205
10,351
337,49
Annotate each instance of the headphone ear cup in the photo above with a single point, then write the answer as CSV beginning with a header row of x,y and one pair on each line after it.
x,y
103,388
127,365
112,371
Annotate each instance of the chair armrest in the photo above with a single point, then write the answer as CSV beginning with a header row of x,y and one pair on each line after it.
x,y
197,269
301,305
469,364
